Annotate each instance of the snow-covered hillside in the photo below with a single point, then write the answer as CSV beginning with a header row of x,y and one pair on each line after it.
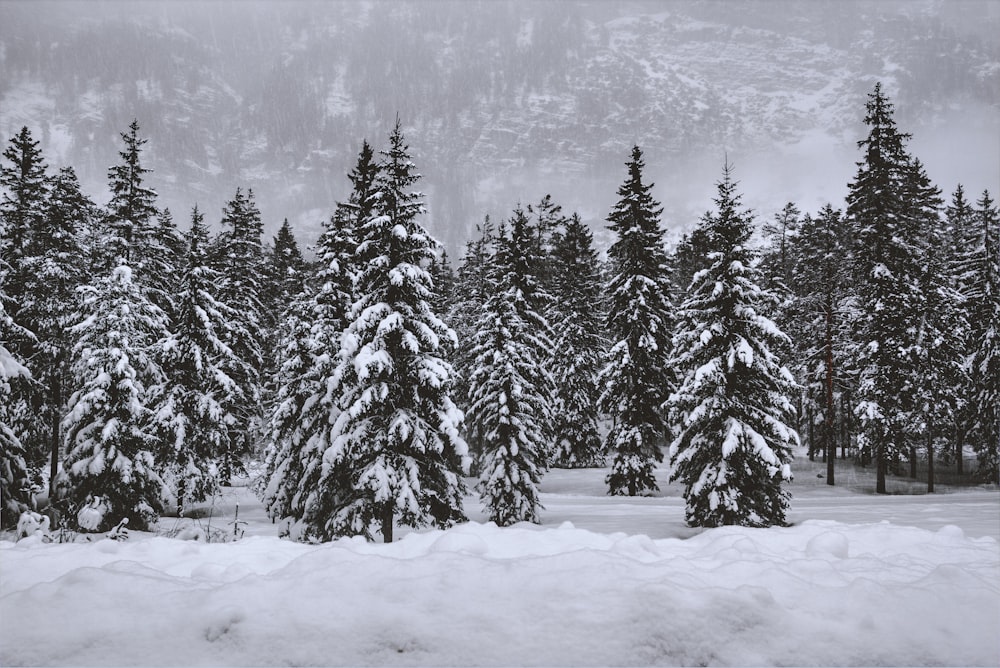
x,y
858,580
502,101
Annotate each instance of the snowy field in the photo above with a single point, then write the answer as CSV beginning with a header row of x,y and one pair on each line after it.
x,y
899,580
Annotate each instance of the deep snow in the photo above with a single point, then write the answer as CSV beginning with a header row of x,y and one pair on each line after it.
x,y
858,580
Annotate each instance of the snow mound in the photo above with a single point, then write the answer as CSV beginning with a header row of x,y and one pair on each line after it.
x,y
819,593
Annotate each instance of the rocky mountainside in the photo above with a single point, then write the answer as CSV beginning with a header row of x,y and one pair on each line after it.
x,y
501,101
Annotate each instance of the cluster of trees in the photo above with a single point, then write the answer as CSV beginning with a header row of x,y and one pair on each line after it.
x,y
146,365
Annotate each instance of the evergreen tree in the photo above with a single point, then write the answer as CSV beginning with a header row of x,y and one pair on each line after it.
x,y
637,378
131,213
510,390
287,270
687,258
731,410
821,280
307,404
109,440
777,262
396,451
237,255
15,494
986,359
888,264
52,271
26,187
579,348
194,405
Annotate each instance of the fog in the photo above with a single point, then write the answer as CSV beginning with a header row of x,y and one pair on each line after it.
x,y
501,102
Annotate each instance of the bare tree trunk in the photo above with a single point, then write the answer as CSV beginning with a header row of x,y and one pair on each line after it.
x,y
960,447
831,441
930,462
387,518
880,468
913,462
812,436
56,435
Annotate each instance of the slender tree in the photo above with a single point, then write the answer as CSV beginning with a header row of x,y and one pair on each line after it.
x,y
637,378
732,408
986,359
15,493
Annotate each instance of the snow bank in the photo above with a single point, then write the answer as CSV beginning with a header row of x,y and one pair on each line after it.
x,y
820,593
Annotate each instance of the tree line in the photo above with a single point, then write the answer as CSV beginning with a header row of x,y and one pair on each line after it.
x,y
142,367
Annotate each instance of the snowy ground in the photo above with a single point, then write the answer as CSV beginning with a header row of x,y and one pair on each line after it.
x,y
858,580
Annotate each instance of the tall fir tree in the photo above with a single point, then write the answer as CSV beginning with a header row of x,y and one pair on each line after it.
x,y
53,269
986,358
510,390
132,212
193,406
15,492
307,405
731,411
26,185
111,448
396,455
238,256
579,347
637,377
888,257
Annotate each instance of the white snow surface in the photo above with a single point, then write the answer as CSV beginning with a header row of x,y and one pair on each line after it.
x,y
842,586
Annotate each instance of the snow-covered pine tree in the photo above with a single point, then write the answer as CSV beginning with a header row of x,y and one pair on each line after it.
x,y
307,405
131,214
287,271
52,269
25,190
731,410
237,255
193,406
510,390
888,258
15,495
397,452
580,346
820,277
637,377
108,434
965,251
986,360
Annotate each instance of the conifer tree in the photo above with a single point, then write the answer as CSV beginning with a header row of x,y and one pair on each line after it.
x,y
888,263
131,213
579,348
237,255
194,405
396,452
15,496
109,440
510,390
986,359
636,379
307,404
731,411
26,185
52,269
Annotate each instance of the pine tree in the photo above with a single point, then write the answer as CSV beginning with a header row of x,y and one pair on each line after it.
x,y
237,255
986,359
287,269
15,494
579,348
510,390
821,280
731,410
26,187
396,451
52,270
109,440
637,378
888,255
194,405
307,406
132,212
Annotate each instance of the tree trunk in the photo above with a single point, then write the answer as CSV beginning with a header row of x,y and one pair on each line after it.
x,y
930,462
812,439
913,462
56,435
831,431
881,466
959,448
387,518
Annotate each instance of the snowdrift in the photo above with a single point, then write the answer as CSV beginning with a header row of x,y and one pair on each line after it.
x,y
820,593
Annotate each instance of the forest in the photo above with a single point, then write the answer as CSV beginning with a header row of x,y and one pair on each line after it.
x,y
145,363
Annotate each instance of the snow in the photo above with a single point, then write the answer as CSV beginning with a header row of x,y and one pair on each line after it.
x,y
857,580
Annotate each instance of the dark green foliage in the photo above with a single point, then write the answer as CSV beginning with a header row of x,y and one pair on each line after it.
x,y
731,410
637,377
